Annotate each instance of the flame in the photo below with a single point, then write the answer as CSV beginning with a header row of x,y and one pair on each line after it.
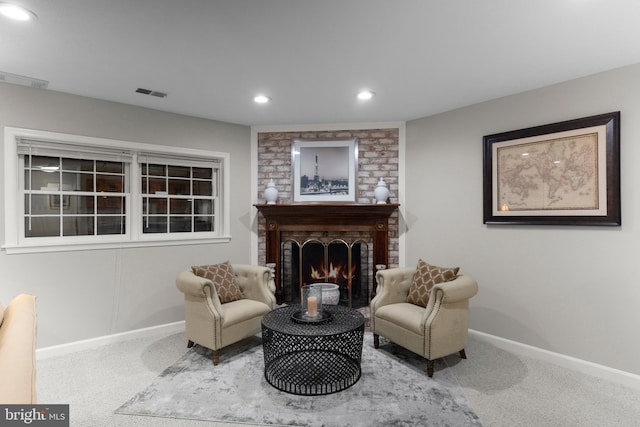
x,y
332,274
314,273
334,271
351,274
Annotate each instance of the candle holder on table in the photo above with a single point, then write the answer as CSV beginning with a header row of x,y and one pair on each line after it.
x,y
311,306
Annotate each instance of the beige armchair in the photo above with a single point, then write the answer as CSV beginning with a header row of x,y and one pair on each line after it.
x,y
18,331
214,325
433,332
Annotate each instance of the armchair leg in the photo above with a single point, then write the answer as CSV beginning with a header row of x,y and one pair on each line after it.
x,y
189,344
376,340
216,357
463,355
430,368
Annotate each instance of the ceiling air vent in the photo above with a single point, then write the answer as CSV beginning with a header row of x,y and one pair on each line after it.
x,y
151,92
23,80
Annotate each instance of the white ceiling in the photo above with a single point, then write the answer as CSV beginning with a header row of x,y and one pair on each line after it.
x,y
421,57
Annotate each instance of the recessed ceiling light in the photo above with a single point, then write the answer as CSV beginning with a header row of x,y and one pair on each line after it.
x,y
261,99
16,12
365,95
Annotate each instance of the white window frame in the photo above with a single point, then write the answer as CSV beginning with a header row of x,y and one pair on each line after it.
x,y
15,242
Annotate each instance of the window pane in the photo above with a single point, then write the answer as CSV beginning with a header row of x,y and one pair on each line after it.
x,y
180,206
180,224
45,162
42,226
179,187
203,206
180,171
43,180
42,204
202,188
77,181
110,183
77,226
155,224
155,185
156,206
110,167
203,223
202,173
80,205
110,205
111,225
155,170
77,165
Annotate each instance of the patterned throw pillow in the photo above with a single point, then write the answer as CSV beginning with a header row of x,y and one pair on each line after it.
x,y
222,277
425,278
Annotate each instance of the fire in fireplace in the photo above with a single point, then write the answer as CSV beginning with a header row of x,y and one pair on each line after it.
x,y
337,261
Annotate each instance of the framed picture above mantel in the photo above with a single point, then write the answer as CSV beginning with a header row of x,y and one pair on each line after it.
x,y
565,173
324,171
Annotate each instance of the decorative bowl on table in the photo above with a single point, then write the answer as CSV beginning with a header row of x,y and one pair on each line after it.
x,y
330,292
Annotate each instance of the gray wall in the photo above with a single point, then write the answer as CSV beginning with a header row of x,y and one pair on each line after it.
x,y
571,290
89,294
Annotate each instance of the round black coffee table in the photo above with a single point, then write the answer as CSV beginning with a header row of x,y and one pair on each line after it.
x,y
312,358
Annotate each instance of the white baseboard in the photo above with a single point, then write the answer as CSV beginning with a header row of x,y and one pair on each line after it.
x,y
610,374
92,343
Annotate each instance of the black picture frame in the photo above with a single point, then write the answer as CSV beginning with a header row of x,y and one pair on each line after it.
x,y
565,173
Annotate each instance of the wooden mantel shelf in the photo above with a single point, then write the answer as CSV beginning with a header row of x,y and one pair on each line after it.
x,y
329,217
325,216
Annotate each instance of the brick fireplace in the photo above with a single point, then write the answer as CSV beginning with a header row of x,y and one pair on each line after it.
x,y
378,158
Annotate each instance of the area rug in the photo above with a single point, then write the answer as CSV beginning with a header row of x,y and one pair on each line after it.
x,y
394,390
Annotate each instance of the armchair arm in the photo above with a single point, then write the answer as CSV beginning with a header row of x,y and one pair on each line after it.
x,y
461,288
393,286
256,283
446,316
198,287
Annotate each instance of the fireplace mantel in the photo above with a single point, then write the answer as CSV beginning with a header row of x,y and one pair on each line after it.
x,y
326,217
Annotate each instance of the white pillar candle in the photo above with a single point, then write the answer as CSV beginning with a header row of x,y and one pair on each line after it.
x,y
312,306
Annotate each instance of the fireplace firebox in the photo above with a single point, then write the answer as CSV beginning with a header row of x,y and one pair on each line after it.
x,y
337,261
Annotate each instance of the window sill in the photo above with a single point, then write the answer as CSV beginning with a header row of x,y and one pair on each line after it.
x,y
27,249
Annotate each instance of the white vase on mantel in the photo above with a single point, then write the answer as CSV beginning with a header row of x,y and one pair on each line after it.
x,y
381,193
271,193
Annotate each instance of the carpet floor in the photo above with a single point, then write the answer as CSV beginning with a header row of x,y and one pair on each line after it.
x,y
394,390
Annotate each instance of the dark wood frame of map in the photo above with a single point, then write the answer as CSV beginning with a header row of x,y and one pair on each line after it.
x,y
565,173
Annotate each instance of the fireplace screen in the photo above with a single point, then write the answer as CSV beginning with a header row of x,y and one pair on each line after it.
x,y
337,261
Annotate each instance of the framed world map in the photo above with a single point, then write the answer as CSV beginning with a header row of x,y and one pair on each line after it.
x,y
566,173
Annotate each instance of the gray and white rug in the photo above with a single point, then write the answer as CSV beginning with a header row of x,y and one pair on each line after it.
x,y
394,390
